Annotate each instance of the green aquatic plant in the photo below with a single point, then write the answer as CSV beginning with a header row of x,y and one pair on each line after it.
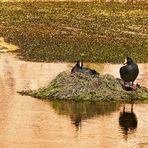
x,y
96,32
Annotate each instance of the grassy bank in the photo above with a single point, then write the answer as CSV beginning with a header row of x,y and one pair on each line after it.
x,y
66,31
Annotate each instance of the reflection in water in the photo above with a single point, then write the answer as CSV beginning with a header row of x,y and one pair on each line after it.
x,y
128,121
79,111
32,123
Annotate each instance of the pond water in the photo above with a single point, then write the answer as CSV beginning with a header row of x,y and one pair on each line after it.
x,y
27,122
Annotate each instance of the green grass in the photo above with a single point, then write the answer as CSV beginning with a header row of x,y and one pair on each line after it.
x,y
67,31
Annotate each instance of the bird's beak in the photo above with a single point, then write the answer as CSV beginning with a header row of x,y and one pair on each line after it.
x,y
125,62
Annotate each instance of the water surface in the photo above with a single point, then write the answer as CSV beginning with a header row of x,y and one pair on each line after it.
x,y
31,123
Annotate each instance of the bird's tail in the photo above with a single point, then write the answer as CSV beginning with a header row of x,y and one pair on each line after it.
x,y
95,72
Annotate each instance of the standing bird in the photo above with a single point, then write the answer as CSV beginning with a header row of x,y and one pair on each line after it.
x,y
129,72
79,68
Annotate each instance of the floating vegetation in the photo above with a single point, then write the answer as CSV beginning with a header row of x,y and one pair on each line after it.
x,y
106,31
79,86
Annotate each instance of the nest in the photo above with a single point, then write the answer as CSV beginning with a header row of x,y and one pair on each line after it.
x,y
80,86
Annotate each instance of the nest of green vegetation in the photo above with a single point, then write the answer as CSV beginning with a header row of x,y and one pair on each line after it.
x,y
79,86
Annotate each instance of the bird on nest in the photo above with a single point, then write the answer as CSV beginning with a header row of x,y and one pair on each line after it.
x,y
79,68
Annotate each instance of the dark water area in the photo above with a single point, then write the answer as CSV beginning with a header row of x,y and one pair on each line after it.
x,y
27,122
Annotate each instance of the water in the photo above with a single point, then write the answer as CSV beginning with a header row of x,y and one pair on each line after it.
x,y
31,123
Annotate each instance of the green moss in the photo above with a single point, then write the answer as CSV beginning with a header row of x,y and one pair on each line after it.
x,y
86,87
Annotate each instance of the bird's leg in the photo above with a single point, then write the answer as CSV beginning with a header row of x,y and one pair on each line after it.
x,y
124,85
133,86
132,108
124,108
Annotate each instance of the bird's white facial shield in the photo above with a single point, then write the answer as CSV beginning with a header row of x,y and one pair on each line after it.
x,y
125,62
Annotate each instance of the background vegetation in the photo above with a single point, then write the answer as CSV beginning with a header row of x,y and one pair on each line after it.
x,y
67,31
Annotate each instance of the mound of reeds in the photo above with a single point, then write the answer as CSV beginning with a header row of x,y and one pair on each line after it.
x,y
79,86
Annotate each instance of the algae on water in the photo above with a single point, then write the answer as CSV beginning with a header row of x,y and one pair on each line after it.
x,y
79,86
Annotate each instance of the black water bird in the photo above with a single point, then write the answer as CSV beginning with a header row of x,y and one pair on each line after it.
x,y
79,68
129,72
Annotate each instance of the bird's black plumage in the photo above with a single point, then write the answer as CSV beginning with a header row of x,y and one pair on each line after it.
x,y
130,71
79,68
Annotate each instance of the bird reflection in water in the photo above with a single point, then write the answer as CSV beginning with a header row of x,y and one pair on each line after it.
x,y
128,121
77,122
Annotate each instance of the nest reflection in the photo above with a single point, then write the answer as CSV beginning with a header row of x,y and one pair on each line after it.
x,y
83,110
